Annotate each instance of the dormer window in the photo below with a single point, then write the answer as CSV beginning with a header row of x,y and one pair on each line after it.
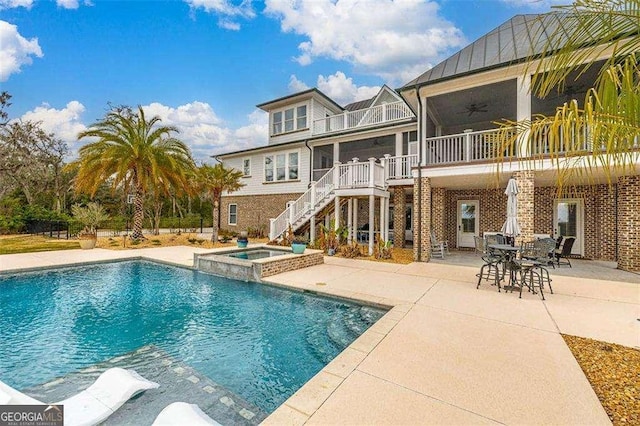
x,y
289,120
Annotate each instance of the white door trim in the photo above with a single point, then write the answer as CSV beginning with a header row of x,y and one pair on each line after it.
x,y
578,247
459,235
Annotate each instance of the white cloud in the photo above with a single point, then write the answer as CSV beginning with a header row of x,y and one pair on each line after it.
x,y
296,85
9,4
384,38
199,126
226,10
68,4
341,88
64,123
15,50
338,87
205,133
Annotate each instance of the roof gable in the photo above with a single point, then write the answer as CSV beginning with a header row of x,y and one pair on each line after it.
x,y
385,95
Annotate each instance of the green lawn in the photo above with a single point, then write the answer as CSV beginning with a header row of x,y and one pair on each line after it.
x,y
30,243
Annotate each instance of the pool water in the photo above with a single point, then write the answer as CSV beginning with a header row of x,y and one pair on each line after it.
x,y
258,341
253,254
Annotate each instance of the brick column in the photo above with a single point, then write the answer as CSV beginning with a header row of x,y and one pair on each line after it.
x,y
628,201
399,216
526,204
438,213
424,206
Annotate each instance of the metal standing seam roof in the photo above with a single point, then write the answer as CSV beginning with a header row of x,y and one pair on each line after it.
x,y
515,40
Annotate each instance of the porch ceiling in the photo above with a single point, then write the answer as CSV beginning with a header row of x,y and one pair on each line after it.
x,y
475,108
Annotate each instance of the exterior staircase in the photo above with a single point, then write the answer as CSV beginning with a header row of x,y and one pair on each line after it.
x,y
349,179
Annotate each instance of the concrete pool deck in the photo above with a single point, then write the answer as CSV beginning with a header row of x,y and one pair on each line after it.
x,y
446,353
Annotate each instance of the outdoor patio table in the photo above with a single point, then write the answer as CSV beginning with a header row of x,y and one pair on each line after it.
x,y
508,252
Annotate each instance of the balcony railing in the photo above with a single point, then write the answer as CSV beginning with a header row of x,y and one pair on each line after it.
x,y
378,114
468,147
400,167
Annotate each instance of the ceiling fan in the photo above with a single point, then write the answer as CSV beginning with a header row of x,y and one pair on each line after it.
x,y
570,91
473,108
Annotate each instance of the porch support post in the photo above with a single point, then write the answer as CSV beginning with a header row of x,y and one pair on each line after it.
x,y
336,152
399,146
628,236
386,218
382,219
372,202
422,228
350,220
336,212
355,219
526,206
312,229
523,113
399,216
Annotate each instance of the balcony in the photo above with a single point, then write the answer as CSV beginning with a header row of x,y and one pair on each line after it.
x,y
363,118
465,147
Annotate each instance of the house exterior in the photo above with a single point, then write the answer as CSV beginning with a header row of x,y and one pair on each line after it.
x,y
418,161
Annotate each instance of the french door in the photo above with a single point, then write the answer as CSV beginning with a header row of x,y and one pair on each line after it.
x,y
468,221
568,221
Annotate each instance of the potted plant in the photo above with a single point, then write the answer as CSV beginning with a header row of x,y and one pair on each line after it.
x,y
242,239
298,245
90,217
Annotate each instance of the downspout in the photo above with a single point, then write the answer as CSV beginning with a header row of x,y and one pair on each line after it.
x,y
306,143
419,212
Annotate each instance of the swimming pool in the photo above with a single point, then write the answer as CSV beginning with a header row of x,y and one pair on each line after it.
x,y
260,342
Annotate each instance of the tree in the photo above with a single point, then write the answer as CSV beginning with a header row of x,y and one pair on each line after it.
x,y
605,132
134,153
213,181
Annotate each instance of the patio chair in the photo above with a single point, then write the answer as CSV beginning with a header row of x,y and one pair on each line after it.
x,y
490,270
545,248
93,405
444,243
437,248
181,413
564,252
559,241
479,245
533,275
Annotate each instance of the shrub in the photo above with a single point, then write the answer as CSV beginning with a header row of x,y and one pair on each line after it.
x,y
351,251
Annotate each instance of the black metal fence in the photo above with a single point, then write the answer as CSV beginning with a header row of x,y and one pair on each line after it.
x,y
112,228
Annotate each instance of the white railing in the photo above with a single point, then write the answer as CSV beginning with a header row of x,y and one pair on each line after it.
x,y
353,175
306,203
543,141
362,118
400,167
469,147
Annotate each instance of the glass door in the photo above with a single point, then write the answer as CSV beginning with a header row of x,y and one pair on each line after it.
x,y
467,222
568,217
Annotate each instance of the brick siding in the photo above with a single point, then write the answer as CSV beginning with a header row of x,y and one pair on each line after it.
x,y
424,238
399,216
629,223
254,210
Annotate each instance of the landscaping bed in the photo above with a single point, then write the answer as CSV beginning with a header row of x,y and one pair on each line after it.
x,y
614,373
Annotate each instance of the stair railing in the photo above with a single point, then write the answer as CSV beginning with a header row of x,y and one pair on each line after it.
x,y
306,203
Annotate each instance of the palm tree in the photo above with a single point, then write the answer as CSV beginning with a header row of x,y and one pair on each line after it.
x,y
213,181
135,153
609,120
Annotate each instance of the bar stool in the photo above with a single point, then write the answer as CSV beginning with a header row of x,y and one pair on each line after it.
x,y
490,271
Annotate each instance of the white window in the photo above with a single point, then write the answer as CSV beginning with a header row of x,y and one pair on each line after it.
x,y
301,117
277,122
281,167
289,120
246,167
233,214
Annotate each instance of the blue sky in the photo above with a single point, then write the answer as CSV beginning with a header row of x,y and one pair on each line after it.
x,y
203,65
